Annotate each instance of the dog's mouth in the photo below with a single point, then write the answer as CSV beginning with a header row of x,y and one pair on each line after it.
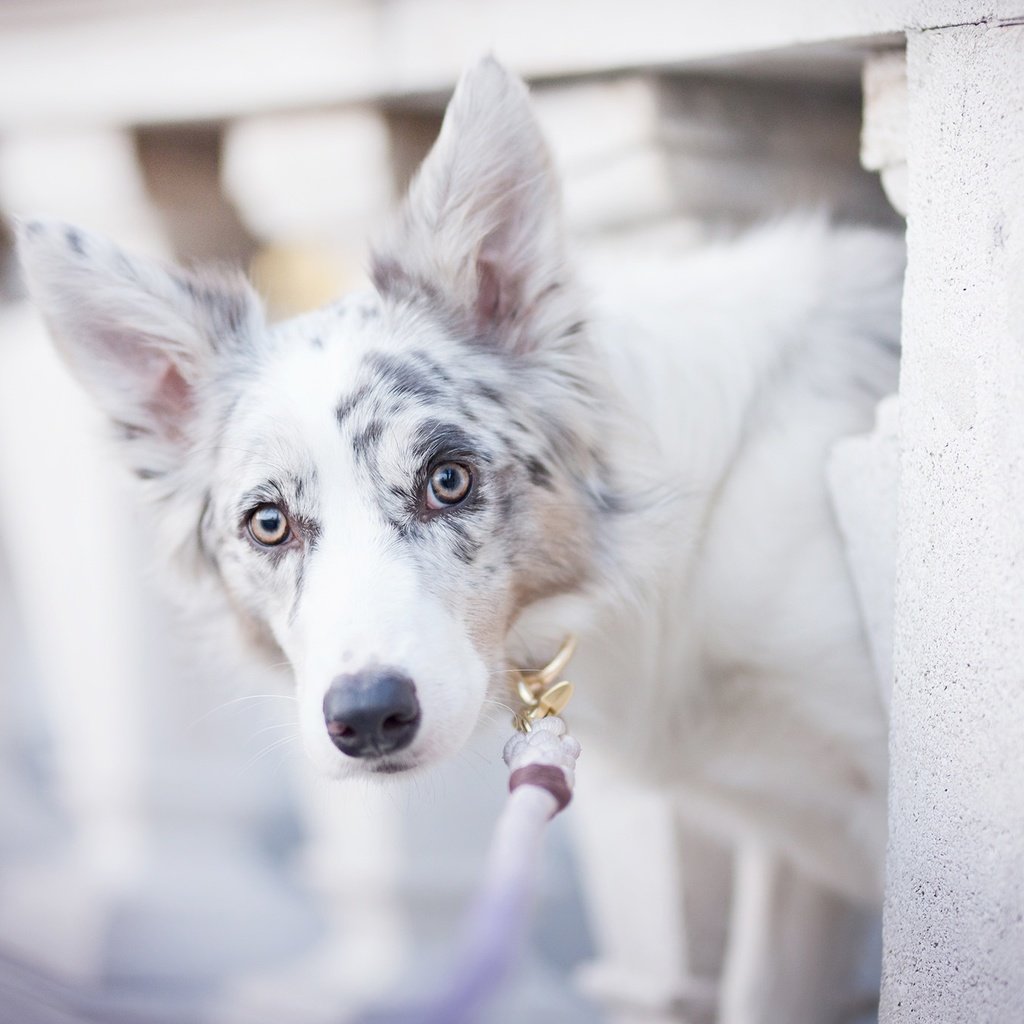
x,y
390,767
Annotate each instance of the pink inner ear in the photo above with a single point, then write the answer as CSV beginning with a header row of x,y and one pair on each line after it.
x,y
489,311
150,379
170,402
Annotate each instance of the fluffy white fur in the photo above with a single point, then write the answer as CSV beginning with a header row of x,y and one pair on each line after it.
x,y
649,440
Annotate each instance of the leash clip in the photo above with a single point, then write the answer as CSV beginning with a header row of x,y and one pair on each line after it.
x,y
540,692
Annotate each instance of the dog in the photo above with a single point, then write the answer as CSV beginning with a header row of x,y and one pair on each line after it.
x,y
410,491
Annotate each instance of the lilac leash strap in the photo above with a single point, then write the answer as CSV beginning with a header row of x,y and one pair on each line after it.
x,y
542,765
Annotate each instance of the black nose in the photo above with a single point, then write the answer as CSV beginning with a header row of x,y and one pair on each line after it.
x,y
371,713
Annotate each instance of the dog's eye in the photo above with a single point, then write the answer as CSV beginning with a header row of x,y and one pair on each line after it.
x,y
268,526
449,484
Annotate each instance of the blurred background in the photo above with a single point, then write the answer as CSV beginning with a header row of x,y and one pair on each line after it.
x,y
163,856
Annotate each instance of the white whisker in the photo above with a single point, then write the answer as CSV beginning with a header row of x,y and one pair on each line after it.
x,y
237,701
251,762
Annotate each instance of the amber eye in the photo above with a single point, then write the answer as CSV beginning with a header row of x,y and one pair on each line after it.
x,y
449,484
268,526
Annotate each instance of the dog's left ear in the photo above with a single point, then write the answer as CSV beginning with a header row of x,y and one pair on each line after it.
x,y
480,232
141,338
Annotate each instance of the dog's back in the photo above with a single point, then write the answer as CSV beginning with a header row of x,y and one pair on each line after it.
x,y
744,655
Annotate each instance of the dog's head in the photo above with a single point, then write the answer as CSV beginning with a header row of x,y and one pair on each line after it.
x,y
378,488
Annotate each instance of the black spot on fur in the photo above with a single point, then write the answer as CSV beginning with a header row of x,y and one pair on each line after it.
x,y
391,279
349,403
74,239
126,268
466,551
431,366
148,474
401,377
490,393
131,431
367,439
513,449
467,414
316,341
225,303
229,309
540,475
463,545
184,284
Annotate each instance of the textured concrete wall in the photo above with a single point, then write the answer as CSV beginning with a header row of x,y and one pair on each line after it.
x,y
954,919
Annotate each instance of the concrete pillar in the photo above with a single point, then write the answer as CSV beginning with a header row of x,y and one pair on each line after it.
x,y
954,916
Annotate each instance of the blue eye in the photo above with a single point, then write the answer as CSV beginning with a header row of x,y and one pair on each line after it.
x,y
449,484
268,525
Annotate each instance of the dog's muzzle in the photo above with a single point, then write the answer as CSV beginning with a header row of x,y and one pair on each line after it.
x,y
372,713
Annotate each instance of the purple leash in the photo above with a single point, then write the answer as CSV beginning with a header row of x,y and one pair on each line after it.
x,y
541,758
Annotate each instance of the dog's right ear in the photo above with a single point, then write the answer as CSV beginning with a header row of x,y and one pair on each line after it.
x,y
139,337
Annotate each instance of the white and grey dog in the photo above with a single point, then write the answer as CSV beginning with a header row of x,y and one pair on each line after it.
x,y
409,490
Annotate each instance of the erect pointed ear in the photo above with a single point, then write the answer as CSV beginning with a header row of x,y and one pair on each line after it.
x,y
480,231
139,337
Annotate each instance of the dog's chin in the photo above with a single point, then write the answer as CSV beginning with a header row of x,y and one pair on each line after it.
x,y
385,769
391,766
346,769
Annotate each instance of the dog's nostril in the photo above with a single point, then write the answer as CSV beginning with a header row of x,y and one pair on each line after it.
x,y
371,713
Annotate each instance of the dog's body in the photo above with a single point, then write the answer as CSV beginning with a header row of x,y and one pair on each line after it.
x,y
435,480
737,660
